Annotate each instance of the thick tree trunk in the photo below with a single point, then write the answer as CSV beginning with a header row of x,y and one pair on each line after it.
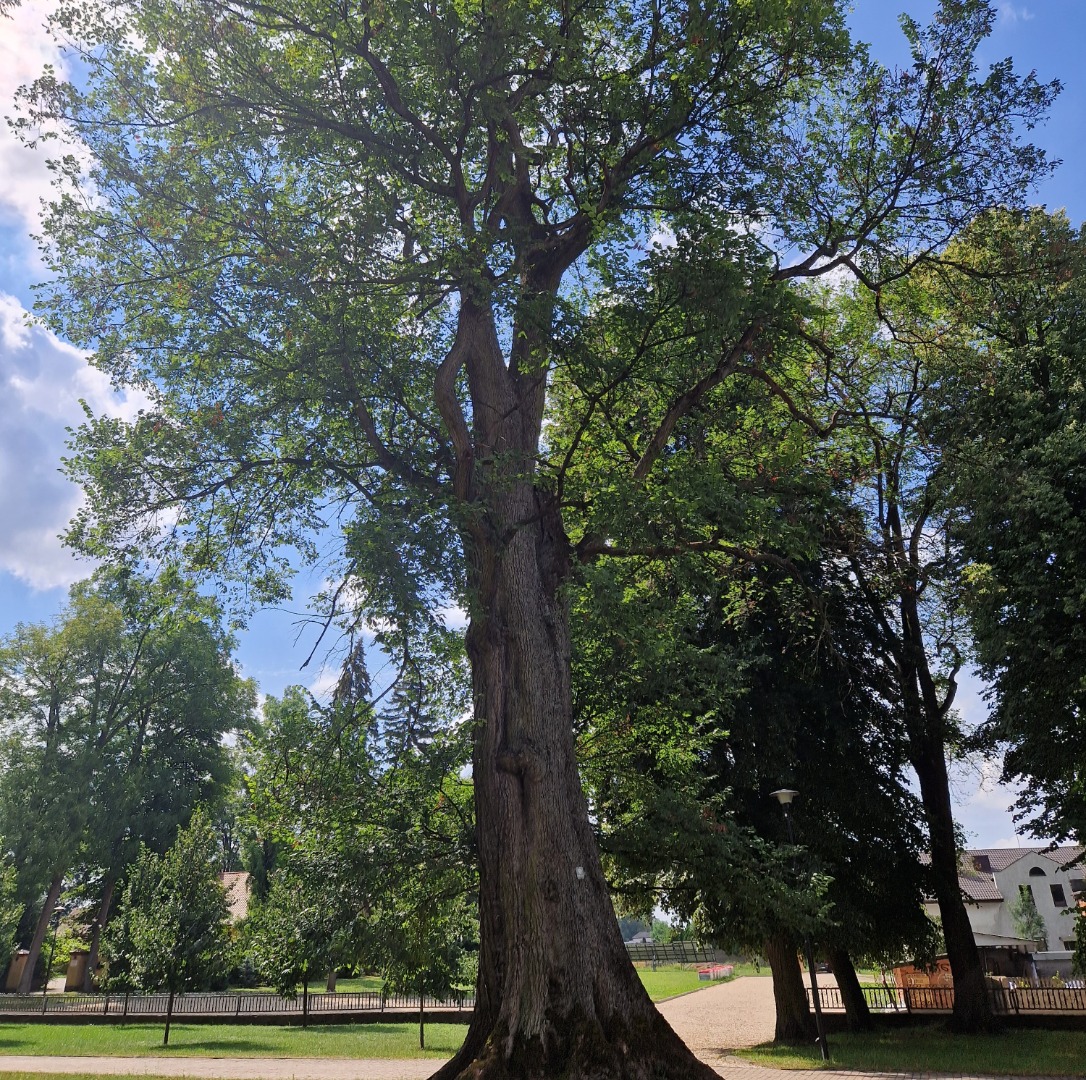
x,y
794,1022
100,923
972,1009
330,982
857,1013
27,977
557,994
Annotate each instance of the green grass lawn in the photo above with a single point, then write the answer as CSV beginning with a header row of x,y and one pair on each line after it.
x,y
664,983
353,985
258,1040
224,1040
1023,1052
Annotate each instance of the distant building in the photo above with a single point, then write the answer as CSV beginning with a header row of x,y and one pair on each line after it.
x,y
236,884
991,879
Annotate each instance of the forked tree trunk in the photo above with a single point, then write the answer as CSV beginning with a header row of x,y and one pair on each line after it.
x,y
557,994
26,980
795,1025
100,922
857,1013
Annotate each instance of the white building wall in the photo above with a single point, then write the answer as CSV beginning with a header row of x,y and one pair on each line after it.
x,y
1058,920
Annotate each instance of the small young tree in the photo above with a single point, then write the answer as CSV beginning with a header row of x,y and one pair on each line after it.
x,y
298,929
1027,919
1078,961
173,932
425,938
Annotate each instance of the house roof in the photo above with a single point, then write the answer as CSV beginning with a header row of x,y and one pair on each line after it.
x,y
978,886
976,875
1000,858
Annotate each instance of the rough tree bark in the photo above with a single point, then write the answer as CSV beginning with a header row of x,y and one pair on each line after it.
x,y
27,978
857,1013
557,994
795,1024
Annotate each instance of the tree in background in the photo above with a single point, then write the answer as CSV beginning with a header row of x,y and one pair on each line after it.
x,y
807,702
1028,921
114,718
1004,329
11,909
425,938
298,929
345,256
371,823
174,936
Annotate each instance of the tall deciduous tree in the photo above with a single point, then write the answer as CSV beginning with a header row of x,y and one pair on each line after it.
x,y
115,717
344,250
1005,325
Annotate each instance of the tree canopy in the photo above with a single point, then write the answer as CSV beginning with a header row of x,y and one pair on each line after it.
x,y
359,257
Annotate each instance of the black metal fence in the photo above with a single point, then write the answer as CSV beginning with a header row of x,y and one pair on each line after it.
x,y
675,952
1011,999
225,1005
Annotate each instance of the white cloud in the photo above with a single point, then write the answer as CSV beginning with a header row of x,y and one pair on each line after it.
x,y
42,380
1013,13
324,686
455,618
25,50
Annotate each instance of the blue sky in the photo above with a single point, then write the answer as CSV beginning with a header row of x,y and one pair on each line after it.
x,y
42,378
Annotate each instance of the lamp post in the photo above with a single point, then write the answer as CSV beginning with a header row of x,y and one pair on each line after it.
x,y
785,796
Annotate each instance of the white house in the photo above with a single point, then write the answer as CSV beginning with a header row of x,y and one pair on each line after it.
x,y
992,878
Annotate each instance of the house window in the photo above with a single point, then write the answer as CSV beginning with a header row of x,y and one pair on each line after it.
x,y
1057,896
1069,944
1036,872
1078,888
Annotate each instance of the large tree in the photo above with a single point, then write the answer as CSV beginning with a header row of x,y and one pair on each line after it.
x,y
343,249
114,716
1003,328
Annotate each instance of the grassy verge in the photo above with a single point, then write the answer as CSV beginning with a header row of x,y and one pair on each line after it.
x,y
1023,1052
224,1040
670,982
354,985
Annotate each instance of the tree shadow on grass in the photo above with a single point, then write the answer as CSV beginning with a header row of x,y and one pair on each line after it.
x,y
236,1045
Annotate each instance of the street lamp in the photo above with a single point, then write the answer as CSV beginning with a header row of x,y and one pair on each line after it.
x,y
785,796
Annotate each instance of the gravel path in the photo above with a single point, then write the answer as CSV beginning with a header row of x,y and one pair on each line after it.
x,y
723,1018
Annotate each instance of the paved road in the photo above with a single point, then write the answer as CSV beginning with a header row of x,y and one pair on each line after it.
x,y
714,1022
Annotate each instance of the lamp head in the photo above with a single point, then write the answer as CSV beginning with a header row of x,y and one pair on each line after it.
x,y
784,796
